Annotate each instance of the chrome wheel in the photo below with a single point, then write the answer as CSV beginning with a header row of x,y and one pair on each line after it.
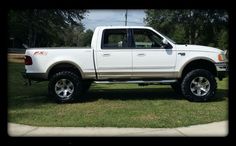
x,y
200,86
64,88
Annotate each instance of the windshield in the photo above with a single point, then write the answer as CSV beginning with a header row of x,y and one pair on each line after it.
x,y
168,38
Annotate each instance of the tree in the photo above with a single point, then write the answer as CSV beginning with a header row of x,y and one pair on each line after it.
x,y
87,37
42,27
73,36
190,26
223,39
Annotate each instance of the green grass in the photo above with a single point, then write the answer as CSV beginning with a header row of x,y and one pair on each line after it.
x,y
106,105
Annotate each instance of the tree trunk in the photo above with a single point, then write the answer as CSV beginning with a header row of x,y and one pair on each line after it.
x,y
189,36
30,28
34,42
196,35
29,36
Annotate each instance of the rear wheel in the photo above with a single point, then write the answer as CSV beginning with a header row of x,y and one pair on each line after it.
x,y
65,86
199,85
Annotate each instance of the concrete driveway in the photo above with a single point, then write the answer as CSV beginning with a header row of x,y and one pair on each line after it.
x,y
211,129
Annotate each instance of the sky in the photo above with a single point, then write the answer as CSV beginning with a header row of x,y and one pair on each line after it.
x,y
109,17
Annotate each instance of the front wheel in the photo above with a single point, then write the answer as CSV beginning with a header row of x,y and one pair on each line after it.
x,y
199,85
64,86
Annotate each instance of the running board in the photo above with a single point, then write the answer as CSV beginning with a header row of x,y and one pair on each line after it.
x,y
137,82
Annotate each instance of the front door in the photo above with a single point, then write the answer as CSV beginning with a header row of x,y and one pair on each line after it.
x,y
150,58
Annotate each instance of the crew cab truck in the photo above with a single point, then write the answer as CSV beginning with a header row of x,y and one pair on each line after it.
x,y
127,54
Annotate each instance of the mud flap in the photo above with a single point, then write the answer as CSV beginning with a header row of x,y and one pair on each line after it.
x,y
27,80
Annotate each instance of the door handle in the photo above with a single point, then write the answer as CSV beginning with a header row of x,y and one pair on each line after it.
x,y
106,54
182,54
141,54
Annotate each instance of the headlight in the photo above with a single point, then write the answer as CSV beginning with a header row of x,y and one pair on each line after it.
x,y
221,56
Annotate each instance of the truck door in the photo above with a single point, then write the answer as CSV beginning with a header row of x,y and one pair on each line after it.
x,y
114,57
150,58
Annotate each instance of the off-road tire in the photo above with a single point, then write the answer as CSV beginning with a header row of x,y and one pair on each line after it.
x,y
186,89
69,77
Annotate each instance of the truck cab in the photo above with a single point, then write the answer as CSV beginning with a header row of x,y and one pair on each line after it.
x,y
133,53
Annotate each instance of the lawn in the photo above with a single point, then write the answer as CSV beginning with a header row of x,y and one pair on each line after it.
x,y
111,105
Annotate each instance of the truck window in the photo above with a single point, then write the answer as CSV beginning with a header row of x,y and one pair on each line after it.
x,y
146,39
114,39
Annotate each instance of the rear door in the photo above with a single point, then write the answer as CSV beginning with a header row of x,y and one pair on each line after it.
x,y
114,56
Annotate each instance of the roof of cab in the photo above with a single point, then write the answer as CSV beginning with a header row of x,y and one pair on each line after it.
x,y
107,27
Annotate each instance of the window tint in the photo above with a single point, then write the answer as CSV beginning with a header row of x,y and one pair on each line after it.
x,y
146,39
115,38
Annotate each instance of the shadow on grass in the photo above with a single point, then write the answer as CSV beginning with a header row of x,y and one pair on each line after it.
x,y
133,94
33,101
143,94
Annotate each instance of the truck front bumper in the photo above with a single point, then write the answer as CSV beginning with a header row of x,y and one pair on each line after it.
x,y
222,69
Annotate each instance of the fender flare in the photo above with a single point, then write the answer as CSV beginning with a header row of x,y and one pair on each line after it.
x,y
191,60
67,62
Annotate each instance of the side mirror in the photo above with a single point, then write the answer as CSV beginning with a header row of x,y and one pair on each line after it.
x,y
165,42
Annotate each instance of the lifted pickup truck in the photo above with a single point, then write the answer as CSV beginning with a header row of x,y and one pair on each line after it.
x,y
127,54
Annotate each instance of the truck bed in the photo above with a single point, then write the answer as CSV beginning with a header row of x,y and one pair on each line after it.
x,y
45,58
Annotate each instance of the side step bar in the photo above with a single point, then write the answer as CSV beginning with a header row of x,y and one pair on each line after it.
x,y
137,82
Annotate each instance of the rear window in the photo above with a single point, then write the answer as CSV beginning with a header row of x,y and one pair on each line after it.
x,y
114,39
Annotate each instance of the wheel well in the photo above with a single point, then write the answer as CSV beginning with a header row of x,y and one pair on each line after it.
x,y
63,67
200,64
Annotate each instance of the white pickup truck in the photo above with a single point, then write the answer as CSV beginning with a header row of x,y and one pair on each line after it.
x,y
127,54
